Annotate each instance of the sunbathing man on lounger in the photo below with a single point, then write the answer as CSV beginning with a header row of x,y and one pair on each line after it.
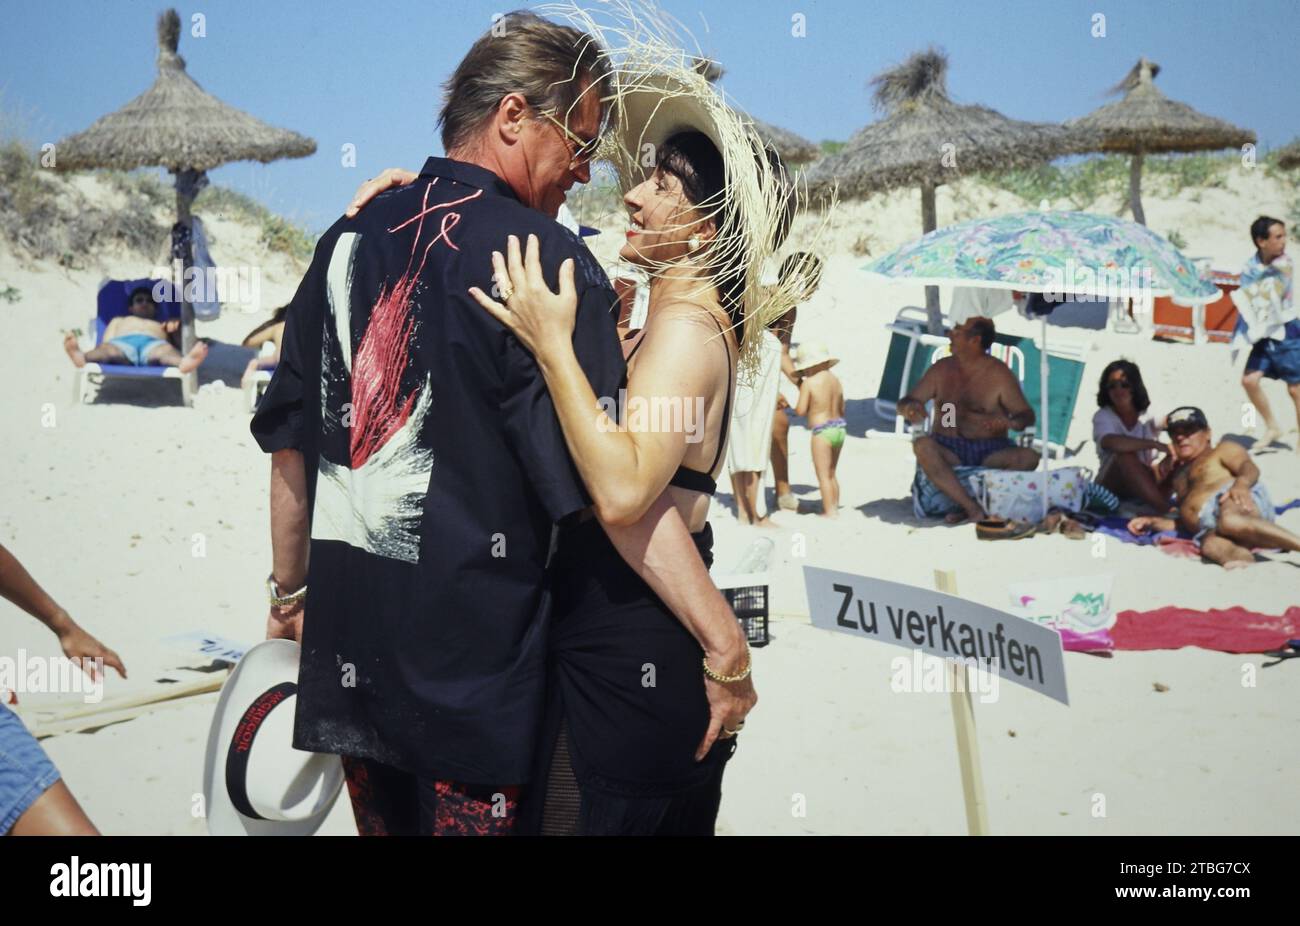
x,y
138,339
1220,497
977,401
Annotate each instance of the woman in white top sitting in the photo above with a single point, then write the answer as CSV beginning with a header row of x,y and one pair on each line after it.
x,y
1126,438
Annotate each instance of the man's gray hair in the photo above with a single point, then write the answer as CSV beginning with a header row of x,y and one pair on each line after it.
x,y
550,65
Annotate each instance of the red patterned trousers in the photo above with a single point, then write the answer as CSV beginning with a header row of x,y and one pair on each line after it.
x,y
390,802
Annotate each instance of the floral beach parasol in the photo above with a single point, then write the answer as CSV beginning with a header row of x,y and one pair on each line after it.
x,y
1071,253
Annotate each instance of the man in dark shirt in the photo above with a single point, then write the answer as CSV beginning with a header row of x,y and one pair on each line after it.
x,y
414,438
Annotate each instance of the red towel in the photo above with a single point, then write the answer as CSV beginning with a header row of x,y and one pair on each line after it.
x,y
1179,546
1231,630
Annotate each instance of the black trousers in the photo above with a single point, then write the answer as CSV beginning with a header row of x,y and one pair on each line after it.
x,y
558,805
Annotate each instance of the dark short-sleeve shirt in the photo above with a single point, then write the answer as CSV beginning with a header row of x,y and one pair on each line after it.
x,y
436,468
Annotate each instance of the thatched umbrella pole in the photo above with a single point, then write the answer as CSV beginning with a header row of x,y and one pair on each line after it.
x,y
188,184
925,140
1146,122
1135,187
930,222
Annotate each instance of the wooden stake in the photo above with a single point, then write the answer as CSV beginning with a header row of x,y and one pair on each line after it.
x,y
55,725
80,709
963,717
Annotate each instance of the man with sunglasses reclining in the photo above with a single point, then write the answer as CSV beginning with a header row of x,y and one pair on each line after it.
x,y
1220,497
138,339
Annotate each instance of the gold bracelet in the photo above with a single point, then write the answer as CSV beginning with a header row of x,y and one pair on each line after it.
x,y
725,679
283,601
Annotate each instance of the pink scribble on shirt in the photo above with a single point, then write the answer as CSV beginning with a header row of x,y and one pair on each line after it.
x,y
382,356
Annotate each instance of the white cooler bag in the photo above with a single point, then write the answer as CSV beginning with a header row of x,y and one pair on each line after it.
x,y
1018,495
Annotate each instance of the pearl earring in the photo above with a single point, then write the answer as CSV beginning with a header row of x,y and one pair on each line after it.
x,y
693,243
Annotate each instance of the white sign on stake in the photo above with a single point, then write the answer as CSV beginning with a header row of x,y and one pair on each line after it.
x,y
1020,651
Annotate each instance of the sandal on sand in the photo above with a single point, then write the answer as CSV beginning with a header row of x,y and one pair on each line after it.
x,y
1058,522
1073,529
1002,529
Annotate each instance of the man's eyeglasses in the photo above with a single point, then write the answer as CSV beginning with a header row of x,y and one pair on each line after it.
x,y
581,150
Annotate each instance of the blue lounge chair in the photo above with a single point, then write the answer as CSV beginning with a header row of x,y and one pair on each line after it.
x,y
112,303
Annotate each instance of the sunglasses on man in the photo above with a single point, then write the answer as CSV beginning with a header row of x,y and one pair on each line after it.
x,y
581,150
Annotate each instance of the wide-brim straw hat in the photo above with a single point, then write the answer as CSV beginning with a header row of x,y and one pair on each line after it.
x,y
811,353
658,92
254,782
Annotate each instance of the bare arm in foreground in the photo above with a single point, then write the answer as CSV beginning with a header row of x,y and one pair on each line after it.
x,y
289,540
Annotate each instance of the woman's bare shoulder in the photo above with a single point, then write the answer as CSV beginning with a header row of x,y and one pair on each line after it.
x,y
686,321
683,310
684,334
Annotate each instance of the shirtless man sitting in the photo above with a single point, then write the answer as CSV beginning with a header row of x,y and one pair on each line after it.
x,y
977,401
1220,497
138,339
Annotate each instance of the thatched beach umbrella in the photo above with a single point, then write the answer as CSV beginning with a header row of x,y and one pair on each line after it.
x,y
925,140
1146,122
177,125
1288,156
793,149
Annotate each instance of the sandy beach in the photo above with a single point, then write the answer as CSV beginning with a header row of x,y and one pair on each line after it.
x,y
110,505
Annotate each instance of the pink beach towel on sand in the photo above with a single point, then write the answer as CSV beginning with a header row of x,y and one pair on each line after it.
x,y
1094,641
1228,630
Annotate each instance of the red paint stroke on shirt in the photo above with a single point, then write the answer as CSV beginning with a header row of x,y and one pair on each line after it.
x,y
382,356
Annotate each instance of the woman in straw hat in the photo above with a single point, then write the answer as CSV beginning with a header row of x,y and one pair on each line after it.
x,y
627,730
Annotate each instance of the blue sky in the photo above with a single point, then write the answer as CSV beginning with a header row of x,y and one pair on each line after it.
x,y
370,74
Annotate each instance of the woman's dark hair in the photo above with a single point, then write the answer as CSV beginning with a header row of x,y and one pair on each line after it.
x,y
1141,401
693,159
276,317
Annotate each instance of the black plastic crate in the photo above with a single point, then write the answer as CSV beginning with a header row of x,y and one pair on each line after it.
x,y
750,604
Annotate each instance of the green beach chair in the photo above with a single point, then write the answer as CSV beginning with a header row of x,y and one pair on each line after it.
x,y
911,351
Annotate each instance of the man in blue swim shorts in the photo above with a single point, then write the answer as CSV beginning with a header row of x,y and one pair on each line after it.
x,y
977,400
1268,318
138,339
